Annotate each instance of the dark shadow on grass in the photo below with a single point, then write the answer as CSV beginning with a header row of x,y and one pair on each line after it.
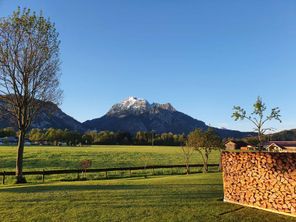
x,y
162,187
231,211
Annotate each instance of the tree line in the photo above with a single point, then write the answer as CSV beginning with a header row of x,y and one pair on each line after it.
x,y
72,138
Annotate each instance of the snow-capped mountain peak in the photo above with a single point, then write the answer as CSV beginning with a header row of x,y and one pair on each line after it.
x,y
134,102
136,105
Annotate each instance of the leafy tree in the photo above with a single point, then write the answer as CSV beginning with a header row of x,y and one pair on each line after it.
x,y
87,139
167,138
60,135
9,131
72,138
105,138
181,140
29,70
36,135
204,143
142,138
51,136
123,138
257,117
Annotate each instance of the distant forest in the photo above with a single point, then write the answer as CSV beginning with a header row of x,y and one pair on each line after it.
x,y
72,138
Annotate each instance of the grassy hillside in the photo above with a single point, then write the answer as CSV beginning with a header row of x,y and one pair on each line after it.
x,y
39,157
170,198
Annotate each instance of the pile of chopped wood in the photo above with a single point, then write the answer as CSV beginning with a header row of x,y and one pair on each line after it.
x,y
262,180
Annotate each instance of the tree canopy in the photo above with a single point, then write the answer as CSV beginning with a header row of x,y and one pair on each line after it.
x,y
257,117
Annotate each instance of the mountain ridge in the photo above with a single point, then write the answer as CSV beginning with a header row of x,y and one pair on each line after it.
x,y
130,115
135,114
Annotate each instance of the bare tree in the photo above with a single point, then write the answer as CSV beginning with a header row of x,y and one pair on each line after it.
x,y
187,153
85,165
257,117
29,70
204,143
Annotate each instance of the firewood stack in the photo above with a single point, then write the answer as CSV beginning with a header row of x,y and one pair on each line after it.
x,y
262,180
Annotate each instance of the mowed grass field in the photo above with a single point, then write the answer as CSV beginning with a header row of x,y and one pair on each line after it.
x,y
181,198
41,157
52,157
196,197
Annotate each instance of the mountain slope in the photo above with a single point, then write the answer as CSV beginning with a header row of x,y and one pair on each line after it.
x,y
50,116
286,135
133,114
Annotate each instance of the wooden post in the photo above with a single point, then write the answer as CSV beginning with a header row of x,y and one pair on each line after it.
x,y
106,174
3,178
130,173
43,176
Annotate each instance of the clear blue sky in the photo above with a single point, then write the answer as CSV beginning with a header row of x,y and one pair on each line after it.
x,y
202,56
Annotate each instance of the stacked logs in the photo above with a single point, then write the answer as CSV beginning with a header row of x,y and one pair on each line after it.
x,y
262,180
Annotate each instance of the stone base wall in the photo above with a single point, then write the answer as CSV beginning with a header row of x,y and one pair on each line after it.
x,y
260,179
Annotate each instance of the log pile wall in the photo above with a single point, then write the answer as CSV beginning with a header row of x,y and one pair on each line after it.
x,y
262,180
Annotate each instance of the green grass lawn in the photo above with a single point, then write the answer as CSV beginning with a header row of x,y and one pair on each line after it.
x,y
163,198
39,157
196,197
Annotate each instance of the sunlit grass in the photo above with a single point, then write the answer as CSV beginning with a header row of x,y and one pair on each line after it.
x,y
162,198
38,157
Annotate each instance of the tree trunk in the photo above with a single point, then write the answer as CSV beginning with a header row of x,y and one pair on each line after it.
x,y
205,168
19,159
187,168
260,139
